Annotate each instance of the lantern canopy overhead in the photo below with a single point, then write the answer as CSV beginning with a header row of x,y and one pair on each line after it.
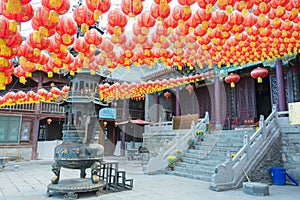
x,y
142,37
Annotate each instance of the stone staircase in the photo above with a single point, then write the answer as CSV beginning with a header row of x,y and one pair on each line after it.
x,y
200,163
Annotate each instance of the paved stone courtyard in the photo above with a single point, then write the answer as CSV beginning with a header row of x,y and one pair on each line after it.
x,y
30,182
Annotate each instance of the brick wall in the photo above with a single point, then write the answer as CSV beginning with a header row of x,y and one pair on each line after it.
x,y
273,158
291,153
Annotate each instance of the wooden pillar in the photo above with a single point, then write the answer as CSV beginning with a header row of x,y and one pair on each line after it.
x,y
178,102
36,125
123,128
217,90
280,86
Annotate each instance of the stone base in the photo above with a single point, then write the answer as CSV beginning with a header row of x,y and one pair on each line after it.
x,y
71,187
257,189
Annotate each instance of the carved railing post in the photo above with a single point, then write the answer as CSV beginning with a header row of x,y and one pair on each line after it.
x,y
193,128
263,125
247,144
206,117
274,109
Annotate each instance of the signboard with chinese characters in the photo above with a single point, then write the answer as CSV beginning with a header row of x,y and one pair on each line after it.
x,y
294,113
108,113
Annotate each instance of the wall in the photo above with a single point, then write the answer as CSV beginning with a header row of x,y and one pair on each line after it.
x,y
291,149
273,158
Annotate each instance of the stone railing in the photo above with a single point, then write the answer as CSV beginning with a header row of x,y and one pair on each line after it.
x,y
160,126
231,174
160,162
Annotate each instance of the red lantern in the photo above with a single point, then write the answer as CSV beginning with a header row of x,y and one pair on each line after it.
x,y
15,41
49,120
181,14
41,23
93,37
25,14
56,8
117,20
84,17
167,95
206,4
66,28
158,13
232,79
21,74
98,7
81,46
37,42
14,6
189,88
132,8
259,73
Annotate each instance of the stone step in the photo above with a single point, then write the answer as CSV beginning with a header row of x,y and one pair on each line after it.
x,y
194,171
195,166
218,148
188,175
219,156
204,162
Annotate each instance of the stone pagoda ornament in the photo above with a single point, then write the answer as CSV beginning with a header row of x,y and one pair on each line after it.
x,y
80,148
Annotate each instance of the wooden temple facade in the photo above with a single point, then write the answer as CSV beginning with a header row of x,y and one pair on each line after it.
x,y
228,107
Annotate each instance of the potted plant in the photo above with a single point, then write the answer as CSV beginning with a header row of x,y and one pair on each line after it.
x,y
178,155
191,143
171,162
200,134
209,127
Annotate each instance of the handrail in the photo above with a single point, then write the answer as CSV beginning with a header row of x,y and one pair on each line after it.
x,y
160,162
230,174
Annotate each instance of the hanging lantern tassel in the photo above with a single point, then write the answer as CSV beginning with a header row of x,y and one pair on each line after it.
x,y
2,81
84,28
13,6
53,16
13,26
232,84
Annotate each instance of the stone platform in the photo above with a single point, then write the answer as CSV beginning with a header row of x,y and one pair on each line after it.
x,y
71,187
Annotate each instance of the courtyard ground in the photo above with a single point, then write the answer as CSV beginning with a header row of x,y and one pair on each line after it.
x,y
30,182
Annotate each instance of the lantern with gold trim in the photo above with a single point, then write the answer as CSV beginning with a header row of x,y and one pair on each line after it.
x,y
145,21
232,79
84,17
117,20
132,8
158,13
259,73
21,74
25,14
56,8
15,6
66,28
41,23
207,4
98,7
181,14
93,38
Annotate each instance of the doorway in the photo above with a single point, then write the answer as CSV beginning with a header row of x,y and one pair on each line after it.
x,y
263,98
